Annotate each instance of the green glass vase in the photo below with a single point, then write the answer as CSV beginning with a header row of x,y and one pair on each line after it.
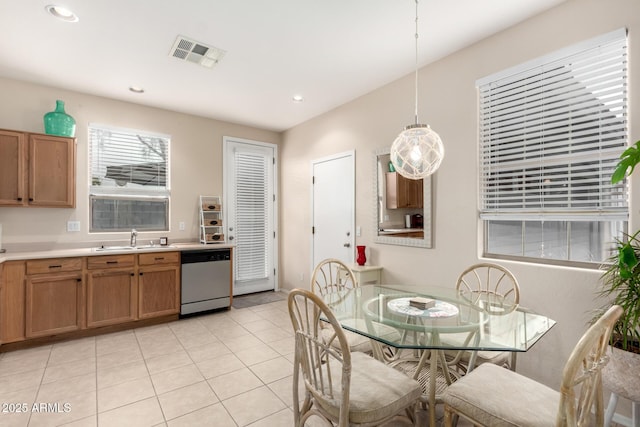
x,y
58,122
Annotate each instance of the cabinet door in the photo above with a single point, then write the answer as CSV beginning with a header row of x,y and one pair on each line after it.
x,y
54,304
111,297
403,192
12,301
52,165
13,168
413,192
159,291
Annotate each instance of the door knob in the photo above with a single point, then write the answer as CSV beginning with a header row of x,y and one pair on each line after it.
x,y
347,245
230,237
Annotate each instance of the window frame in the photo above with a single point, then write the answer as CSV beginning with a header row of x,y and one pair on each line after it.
x,y
136,193
617,214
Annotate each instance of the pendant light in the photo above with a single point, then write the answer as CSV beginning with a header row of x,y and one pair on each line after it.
x,y
418,151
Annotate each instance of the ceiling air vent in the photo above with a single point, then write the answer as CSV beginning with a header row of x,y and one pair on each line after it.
x,y
196,52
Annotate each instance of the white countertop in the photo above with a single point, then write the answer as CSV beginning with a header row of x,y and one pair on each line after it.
x,y
389,231
35,253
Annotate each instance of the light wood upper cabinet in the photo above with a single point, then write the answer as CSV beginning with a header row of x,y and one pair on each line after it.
x,y
403,192
13,168
52,171
55,301
37,170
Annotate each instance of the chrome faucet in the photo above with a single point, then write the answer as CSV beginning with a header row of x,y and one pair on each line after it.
x,y
134,234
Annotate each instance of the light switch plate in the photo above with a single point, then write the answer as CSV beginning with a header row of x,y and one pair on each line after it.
x,y
181,226
73,225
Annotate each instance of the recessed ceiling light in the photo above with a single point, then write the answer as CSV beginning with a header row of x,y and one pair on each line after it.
x,y
62,13
136,89
297,98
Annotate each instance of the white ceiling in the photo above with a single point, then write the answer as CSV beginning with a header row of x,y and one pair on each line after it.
x,y
329,51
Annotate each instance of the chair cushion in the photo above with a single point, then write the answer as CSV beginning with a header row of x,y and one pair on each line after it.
x,y
377,391
495,396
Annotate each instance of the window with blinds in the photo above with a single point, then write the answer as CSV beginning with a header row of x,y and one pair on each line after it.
x,y
129,185
252,216
551,132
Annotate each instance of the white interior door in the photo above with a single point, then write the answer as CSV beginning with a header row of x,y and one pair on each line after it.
x,y
250,213
333,199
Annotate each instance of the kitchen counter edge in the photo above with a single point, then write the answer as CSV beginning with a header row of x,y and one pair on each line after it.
x,y
91,251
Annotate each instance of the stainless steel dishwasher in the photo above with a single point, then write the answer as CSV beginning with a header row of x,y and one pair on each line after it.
x,y
206,280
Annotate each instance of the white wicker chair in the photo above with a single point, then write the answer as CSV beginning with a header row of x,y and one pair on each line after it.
x,y
331,276
496,290
493,396
343,388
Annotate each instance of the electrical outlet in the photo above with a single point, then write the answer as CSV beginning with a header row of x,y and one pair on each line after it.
x,y
358,231
181,226
73,225
302,277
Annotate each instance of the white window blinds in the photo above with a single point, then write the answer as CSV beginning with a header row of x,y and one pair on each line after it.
x,y
128,162
551,133
251,216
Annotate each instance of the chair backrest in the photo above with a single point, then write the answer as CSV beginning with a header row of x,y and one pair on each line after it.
x,y
326,370
490,285
332,275
581,386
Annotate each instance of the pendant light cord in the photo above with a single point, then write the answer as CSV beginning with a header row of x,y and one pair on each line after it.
x,y
416,73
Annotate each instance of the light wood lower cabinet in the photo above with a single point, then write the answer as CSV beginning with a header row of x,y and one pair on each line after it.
x,y
47,297
12,301
54,297
120,290
111,290
158,284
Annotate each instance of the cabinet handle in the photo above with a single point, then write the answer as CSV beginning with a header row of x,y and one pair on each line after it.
x,y
141,274
31,199
55,266
160,258
78,280
19,199
112,262
132,274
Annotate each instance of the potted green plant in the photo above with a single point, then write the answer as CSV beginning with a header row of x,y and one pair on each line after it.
x,y
620,285
621,279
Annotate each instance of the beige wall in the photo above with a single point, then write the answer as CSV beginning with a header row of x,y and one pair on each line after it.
x,y
448,103
196,160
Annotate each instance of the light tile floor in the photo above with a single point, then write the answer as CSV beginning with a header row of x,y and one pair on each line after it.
x,y
230,368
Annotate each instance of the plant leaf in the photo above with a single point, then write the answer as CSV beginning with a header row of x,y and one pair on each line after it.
x,y
627,261
628,160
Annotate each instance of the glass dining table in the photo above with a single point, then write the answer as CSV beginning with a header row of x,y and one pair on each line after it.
x,y
423,330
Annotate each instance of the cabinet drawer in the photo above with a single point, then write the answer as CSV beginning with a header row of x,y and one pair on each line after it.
x,y
159,258
53,265
110,261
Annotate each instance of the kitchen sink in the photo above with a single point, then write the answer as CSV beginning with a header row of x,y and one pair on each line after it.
x,y
130,248
154,247
114,248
